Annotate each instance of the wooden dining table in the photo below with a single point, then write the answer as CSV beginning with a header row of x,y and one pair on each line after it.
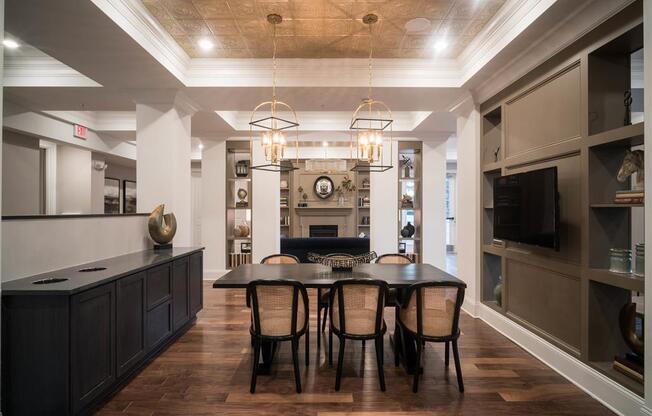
x,y
397,276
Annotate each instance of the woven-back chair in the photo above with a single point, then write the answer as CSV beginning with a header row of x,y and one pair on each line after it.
x,y
394,258
279,312
431,312
280,259
356,313
322,301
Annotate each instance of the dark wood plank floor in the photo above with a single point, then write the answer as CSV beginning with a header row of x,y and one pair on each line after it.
x,y
206,372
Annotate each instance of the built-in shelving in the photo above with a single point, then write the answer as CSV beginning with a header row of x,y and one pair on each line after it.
x,y
238,211
409,183
627,281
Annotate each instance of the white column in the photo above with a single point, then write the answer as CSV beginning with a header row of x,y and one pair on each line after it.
x,y
647,65
384,207
434,194
265,215
213,221
468,200
163,161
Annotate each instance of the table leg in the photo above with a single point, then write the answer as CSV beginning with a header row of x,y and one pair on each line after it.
x,y
405,343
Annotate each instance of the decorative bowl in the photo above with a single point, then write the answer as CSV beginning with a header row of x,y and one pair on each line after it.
x,y
342,263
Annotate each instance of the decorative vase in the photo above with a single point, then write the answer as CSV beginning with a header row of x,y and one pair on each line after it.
x,y
498,293
241,168
340,200
408,230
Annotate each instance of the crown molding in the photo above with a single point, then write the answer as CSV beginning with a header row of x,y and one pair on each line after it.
x,y
98,121
132,17
41,71
136,21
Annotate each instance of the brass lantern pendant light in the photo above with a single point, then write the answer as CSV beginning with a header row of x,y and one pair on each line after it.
x,y
371,125
265,119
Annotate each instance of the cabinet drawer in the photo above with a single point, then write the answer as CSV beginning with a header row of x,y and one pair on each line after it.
x,y
159,285
159,324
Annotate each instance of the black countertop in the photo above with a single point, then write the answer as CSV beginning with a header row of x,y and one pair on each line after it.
x,y
116,267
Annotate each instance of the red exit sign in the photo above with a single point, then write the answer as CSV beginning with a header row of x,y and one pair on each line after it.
x,y
80,131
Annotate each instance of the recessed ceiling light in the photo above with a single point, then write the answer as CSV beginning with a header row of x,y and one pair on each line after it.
x,y
10,43
324,144
205,44
201,146
440,45
418,24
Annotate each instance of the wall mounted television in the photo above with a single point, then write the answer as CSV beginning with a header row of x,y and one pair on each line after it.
x,y
526,208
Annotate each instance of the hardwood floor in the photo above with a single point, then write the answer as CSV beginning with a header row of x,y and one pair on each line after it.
x,y
207,372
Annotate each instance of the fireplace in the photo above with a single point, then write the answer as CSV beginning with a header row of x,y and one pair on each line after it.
x,y
323,231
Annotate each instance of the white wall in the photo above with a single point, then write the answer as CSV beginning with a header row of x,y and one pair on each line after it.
x,y
21,166
265,215
213,233
39,245
73,180
433,228
163,163
468,201
384,207
97,185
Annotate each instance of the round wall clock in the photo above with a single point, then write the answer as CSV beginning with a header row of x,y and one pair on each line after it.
x,y
324,187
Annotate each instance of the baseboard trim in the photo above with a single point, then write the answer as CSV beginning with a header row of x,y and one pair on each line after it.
x,y
470,307
611,394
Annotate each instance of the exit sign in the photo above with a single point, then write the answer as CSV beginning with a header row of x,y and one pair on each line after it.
x,y
80,131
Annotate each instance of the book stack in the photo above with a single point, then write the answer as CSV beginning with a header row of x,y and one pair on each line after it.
x,y
285,220
629,197
284,201
629,365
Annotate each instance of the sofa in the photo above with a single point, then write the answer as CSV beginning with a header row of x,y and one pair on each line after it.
x,y
300,247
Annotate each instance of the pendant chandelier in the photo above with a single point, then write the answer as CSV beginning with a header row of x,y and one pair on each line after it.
x,y
371,125
265,119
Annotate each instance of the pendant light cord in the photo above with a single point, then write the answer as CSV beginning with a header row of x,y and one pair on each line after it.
x,y
274,65
371,52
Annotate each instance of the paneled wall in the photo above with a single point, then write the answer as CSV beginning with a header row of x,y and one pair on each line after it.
x,y
568,114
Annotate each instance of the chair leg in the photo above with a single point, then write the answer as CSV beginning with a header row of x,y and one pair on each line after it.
x,y
254,369
379,362
417,367
458,369
330,347
323,321
340,361
364,343
318,325
447,353
295,361
396,340
307,347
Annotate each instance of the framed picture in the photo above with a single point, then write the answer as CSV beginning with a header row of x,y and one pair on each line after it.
x,y
129,197
245,247
111,196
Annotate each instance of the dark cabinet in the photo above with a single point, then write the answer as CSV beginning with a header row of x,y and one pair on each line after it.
x,y
92,344
130,321
65,351
180,306
196,284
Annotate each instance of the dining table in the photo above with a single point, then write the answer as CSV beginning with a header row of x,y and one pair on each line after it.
x,y
397,276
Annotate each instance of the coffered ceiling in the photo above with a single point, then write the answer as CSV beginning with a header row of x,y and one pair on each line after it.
x,y
323,28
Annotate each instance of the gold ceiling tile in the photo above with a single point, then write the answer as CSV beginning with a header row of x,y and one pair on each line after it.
x,y
416,42
254,26
491,7
338,27
436,9
286,28
412,53
474,27
223,26
402,8
181,9
279,7
212,9
232,42
236,53
359,9
453,27
172,27
262,43
157,9
308,27
465,8
307,9
337,10
388,42
194,26
242,8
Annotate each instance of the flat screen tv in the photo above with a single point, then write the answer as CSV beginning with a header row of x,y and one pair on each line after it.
x,y
526,208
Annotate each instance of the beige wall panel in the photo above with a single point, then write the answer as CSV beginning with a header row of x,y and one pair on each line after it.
x,y
547,114
547,300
